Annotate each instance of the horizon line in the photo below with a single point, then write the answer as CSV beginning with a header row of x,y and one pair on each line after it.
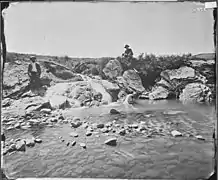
x,y
69,56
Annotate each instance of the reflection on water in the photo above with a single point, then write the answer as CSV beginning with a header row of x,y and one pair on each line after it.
x,y
135,156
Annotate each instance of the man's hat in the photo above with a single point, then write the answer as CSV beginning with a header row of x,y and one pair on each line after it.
x,y
126,46
32,57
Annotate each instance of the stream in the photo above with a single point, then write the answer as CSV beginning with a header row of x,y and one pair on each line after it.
x,y
136,155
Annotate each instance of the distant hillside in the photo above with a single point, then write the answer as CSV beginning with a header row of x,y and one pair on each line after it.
x,y
204,56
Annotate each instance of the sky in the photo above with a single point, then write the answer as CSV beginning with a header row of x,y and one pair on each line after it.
x,y
83,29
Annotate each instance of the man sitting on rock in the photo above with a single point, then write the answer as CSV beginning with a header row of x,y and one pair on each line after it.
x,y
34,72
128,55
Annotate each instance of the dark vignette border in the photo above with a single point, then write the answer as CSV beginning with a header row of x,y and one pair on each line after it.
x,y
5,5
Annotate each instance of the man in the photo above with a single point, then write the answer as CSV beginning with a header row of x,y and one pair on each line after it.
x,y
128,55
128,52
34,72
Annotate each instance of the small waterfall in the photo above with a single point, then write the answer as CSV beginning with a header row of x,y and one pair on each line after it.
x,y
127,99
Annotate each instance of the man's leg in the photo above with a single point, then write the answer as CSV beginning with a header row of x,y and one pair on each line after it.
x,y
32,80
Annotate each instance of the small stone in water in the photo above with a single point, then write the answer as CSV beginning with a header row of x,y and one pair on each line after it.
x,y
88,133
176,133
122,132
109,124
68,143
17,125
74,134
111,142
12,147
10,128
18,139
85,125
148,115
61,117
30,142
73,143
76,124
26,127
83,145
54,120
45,110
76,119
65,121
37,140
135,125
20,146
114,111
90,129
117,125
62,140
142,123
105,130
200,137
100,125
60,137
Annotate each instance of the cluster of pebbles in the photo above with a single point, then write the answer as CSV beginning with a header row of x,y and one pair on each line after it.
x,y
112,128
20,144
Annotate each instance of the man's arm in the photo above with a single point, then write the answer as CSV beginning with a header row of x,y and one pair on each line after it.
x,y
39,69
131,53
29,69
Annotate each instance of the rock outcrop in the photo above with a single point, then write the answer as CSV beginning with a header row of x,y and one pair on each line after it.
x,y
133,81
206,68
195,93
113,69
174,81
82,93
158,93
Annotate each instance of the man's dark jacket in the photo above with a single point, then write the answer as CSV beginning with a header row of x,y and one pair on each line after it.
x,y
128,53
30,67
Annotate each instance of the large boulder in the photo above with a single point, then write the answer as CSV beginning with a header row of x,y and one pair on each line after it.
x,y
59,102
97,87
112,88
158,93
182,74
195,93
80,93
206,68
173,81
133,81
113,69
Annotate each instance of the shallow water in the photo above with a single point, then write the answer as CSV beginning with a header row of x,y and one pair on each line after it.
x,y
135,156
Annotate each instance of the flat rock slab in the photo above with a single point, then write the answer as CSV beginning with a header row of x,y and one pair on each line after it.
x,y
176,133
37,140
88,133
111,142
200,137
174,112
114,111
83,145
45,110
